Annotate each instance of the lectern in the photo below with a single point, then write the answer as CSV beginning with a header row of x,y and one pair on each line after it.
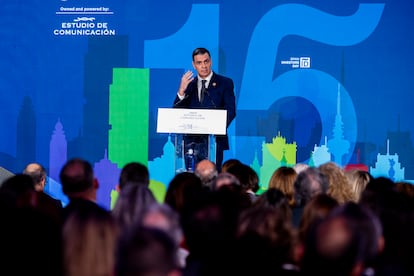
x,y
180,122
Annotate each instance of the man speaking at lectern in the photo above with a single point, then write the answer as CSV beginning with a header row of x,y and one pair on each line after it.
x,y
206,90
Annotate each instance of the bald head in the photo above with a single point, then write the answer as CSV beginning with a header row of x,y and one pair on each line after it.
x,y
207,171
38,174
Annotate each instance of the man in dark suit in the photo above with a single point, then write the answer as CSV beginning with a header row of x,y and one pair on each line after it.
x,y
80,185
218,94
38,174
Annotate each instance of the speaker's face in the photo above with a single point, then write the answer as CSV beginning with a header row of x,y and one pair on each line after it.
x,y
202,63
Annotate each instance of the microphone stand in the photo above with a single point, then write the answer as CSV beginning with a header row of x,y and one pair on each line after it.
x,y
211,100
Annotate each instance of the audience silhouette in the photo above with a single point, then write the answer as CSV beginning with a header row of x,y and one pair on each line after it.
x,y
313,221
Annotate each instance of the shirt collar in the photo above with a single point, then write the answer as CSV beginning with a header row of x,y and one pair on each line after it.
x,y
208,78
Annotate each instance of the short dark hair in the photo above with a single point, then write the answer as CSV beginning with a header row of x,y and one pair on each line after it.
x,y
76,176
247,176
230,162
134,173
17,185
145,251
200,51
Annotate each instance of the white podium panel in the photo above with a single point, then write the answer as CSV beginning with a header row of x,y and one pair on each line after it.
x,y
192,121
182,122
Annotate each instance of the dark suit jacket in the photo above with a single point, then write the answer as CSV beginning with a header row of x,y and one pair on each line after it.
x,y
220,96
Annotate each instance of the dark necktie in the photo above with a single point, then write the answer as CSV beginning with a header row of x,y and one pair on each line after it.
x,y
203,90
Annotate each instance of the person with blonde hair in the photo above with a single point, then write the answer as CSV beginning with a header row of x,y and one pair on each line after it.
x,y
283,179
358,180
339,187
89,242
300,167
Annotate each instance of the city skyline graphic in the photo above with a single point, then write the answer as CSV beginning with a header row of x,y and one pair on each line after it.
x,y
314,83
275,154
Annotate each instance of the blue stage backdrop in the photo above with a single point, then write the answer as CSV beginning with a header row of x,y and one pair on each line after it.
x,y
315,81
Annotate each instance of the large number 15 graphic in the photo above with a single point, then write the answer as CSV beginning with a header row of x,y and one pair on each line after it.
x,y
258,89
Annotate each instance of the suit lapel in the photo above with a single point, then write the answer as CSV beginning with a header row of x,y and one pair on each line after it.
x,y
213,82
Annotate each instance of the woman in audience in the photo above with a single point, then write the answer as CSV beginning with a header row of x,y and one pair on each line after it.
x,y
339,187
264,242
283,179
183,190
162,216
248,178
300,167
209,229
358,180
274,198
405,188
89,238
316,209
229,163
395,210
131,203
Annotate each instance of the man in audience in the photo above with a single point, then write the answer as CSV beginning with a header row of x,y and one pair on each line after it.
x,y
207,171
308,183
40,199
38,173
133,173
78,184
